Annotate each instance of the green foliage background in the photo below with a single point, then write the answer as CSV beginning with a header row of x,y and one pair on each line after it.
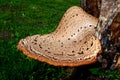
x,y
21,18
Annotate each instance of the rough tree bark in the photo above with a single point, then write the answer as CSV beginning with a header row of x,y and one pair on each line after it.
x,y
110,36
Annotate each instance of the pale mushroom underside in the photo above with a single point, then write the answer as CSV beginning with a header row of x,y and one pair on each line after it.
x,y
72,44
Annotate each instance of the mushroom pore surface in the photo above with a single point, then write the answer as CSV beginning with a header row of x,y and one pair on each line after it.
x,y
72,44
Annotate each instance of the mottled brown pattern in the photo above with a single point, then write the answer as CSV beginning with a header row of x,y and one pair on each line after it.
x,y
73,43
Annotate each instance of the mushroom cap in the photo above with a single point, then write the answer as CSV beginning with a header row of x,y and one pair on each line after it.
x,y
72,44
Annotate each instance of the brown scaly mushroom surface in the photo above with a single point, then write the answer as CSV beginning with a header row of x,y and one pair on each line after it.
x,y
72,44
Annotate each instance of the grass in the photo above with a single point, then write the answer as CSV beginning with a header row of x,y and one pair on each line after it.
x,y
20,18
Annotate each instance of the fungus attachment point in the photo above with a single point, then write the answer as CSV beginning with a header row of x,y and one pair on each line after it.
x,y
72,44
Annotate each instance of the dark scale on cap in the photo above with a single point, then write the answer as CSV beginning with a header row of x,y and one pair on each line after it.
x,y
61,42
73,51
49,52
90,25
68,38
73,16
61,45
80,27
62,35
35,40
34,43
76,14
74,41
92,44
48,48
58,40
87,48
40,46
71,35
65,20
85,42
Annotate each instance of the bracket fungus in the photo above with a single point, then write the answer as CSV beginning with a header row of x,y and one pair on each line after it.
x,y
73,43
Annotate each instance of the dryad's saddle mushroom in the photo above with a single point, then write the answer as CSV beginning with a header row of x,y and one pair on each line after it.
x,y
72,44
